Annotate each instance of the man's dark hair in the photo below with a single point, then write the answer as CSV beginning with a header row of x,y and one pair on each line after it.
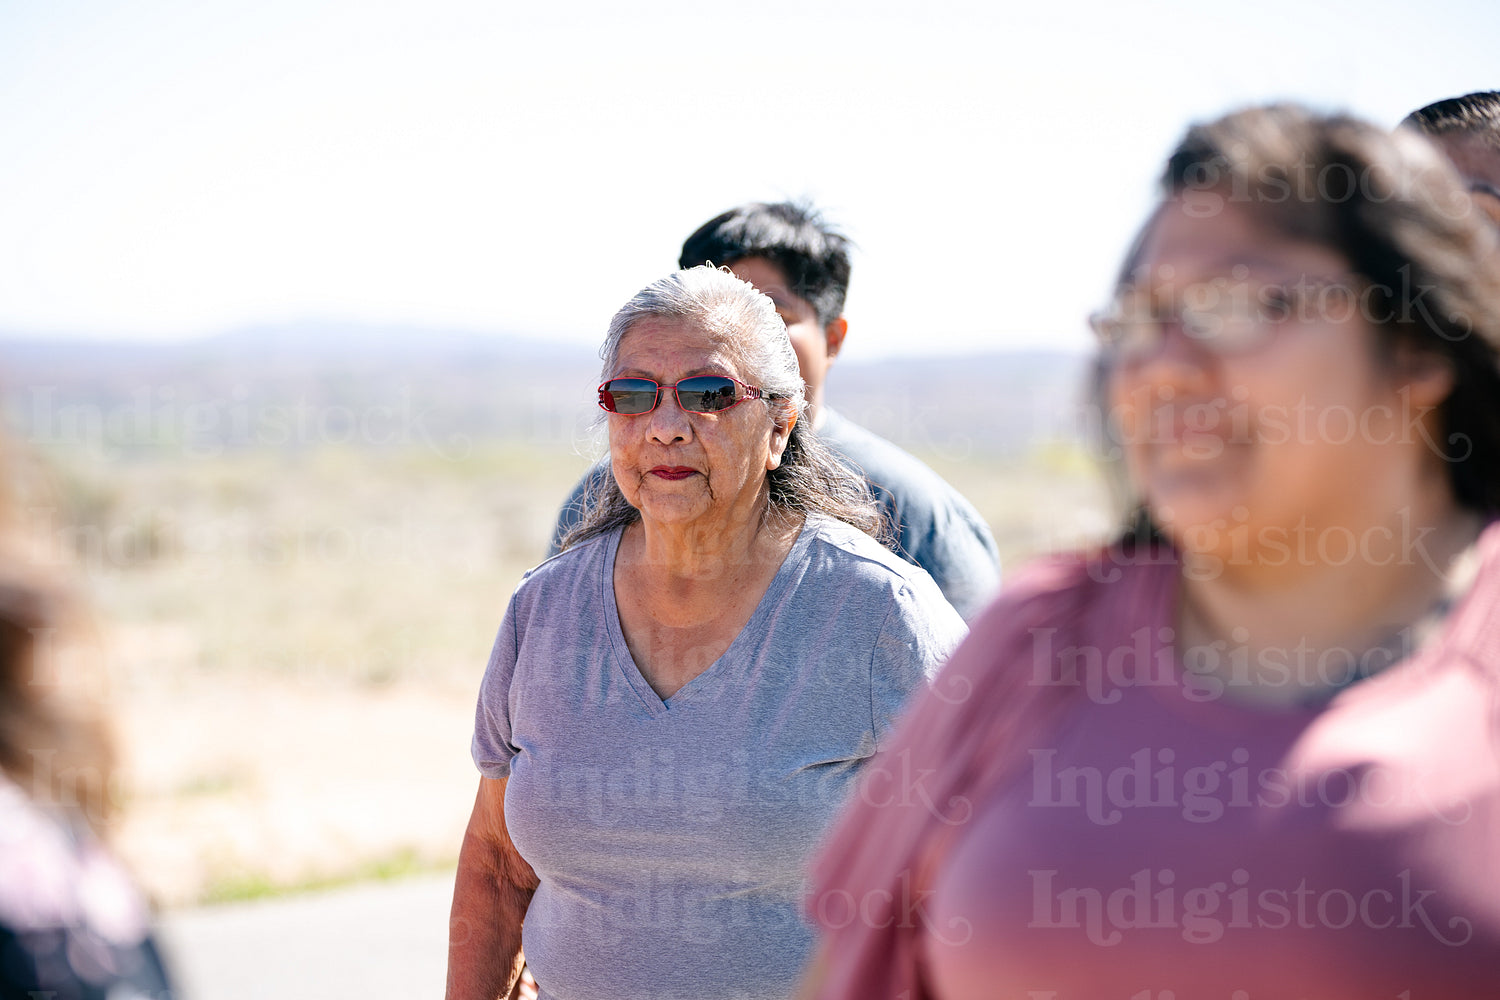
x,y
1475,114
812,254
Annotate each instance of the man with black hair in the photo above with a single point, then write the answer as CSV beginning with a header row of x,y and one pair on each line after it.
x,y
802,264
1467,130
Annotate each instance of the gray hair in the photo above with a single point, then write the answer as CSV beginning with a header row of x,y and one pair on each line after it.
x,y
728,310
810,479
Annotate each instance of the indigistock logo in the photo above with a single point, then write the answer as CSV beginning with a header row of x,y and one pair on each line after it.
x,y
1153,900
1148,657
891,781
1154,779
1304,181
903,905
659,905
157,416
214,544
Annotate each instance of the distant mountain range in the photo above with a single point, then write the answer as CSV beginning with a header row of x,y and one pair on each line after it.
x,y
300,385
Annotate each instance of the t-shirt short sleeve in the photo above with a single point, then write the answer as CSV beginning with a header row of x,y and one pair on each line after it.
x,y
492,748
920,633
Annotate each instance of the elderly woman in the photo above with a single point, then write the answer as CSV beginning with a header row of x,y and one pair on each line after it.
x,y
1249,749
678,702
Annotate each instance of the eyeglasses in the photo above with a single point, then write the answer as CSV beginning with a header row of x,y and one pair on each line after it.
x,y
699,394
1224,317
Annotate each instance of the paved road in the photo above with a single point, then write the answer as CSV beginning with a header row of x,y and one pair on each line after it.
x,y
379,941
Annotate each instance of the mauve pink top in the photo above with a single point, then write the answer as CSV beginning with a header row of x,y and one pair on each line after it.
x,y
1067,814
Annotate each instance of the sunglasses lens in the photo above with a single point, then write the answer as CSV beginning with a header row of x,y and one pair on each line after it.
x,y
706,393
628,395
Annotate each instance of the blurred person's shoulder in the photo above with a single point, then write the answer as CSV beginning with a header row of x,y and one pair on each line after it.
x,y
1080,588
936,527
887,464
572,509
58,881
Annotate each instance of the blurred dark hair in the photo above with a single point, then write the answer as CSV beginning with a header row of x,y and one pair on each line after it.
x,y
1476,114
1392,205
811,253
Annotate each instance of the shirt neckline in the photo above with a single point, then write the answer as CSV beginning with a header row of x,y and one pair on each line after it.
x,y
625,663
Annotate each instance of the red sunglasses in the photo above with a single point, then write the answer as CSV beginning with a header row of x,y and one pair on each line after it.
x,y
699,394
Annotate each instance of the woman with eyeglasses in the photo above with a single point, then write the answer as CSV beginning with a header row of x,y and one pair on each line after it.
x,y
1250,748
677,703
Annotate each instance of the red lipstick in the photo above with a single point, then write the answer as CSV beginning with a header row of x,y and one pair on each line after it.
x,y
673,472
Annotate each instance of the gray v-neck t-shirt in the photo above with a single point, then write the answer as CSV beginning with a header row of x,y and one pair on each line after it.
x,y
671,837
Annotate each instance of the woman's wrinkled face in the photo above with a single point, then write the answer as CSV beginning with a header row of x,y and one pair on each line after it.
x,y
677,466
1253,402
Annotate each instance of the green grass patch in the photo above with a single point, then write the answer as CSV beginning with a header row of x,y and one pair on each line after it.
x,y
257,885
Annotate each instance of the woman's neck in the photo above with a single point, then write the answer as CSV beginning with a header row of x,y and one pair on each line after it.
x,y
681,571
683,598
1292,621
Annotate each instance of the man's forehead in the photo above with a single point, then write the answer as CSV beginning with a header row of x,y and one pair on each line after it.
x,y
769,279
1476,160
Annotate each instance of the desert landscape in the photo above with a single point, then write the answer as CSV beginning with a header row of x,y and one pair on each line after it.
x,y
294,601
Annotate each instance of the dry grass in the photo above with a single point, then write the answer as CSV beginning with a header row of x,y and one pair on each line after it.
x,y
295,639
294,643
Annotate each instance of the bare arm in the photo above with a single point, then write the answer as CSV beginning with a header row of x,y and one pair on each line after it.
x,y
494,887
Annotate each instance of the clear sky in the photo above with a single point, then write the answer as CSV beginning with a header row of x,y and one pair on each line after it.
x,y
175,168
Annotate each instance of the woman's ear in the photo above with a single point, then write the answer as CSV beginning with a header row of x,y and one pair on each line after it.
x,y
781,433
1425,374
